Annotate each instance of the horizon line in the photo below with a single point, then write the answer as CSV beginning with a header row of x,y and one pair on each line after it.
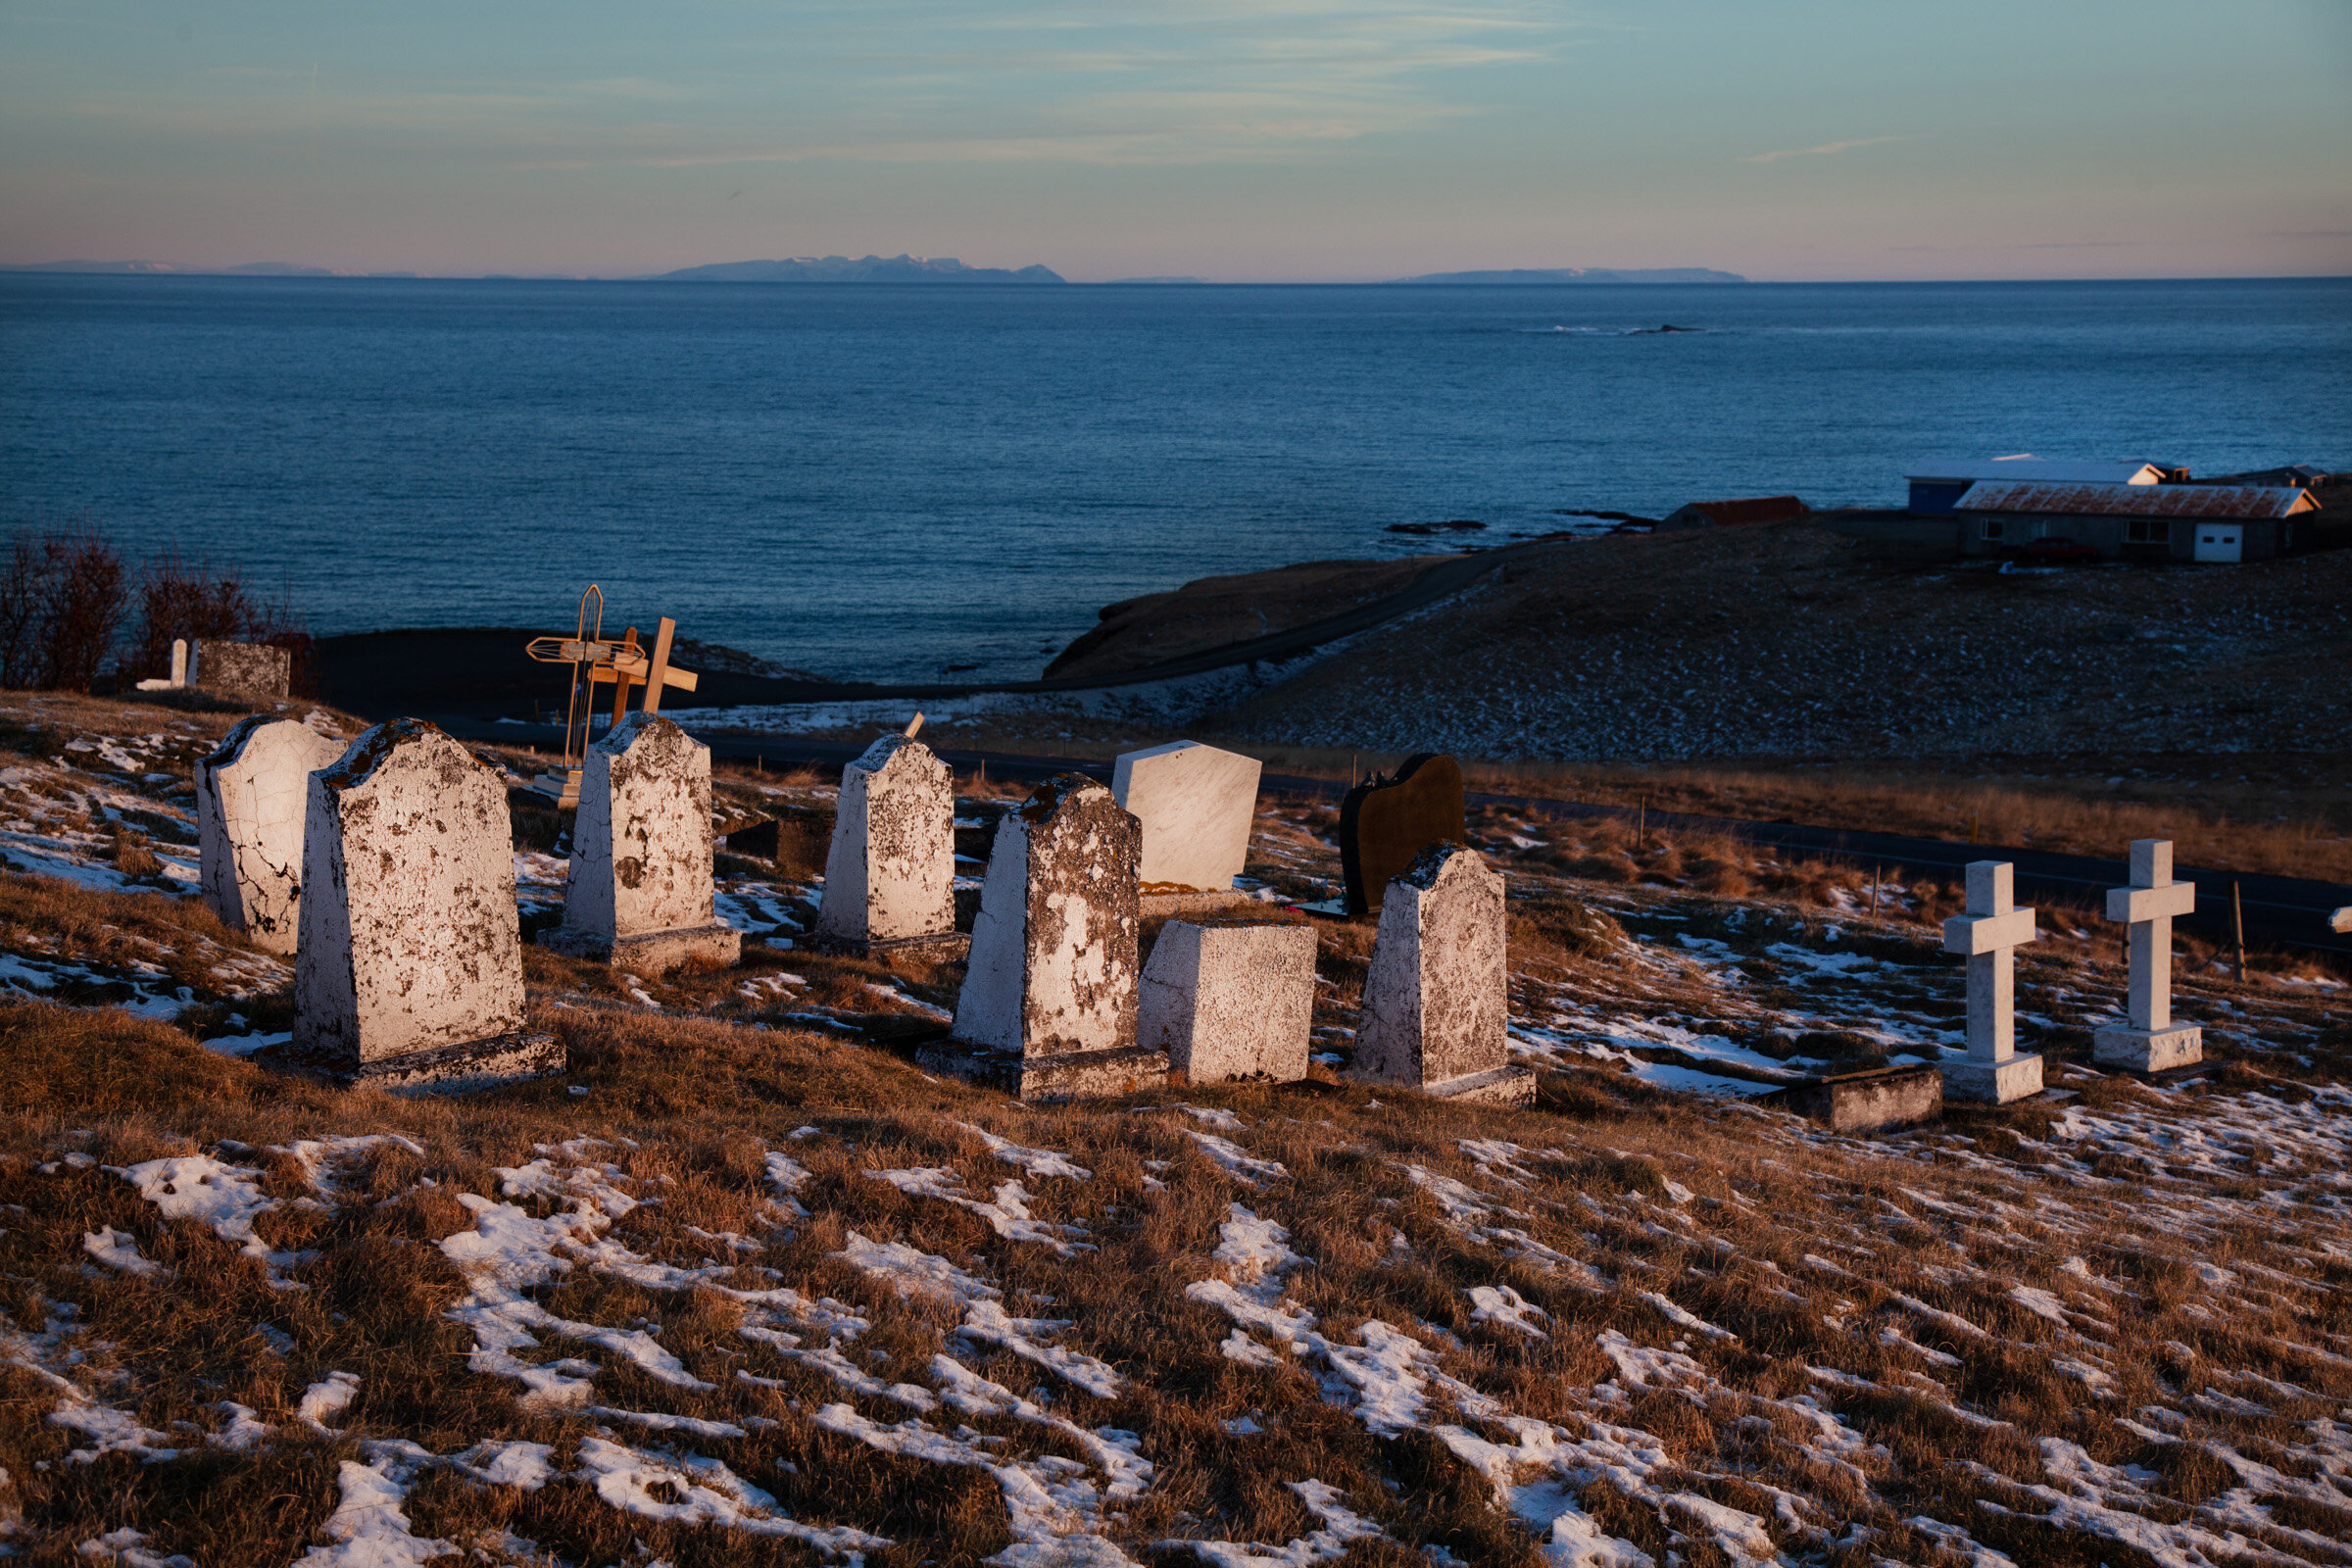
x,y
77,269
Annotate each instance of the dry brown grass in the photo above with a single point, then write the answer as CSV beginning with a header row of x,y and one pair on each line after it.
x,y
702,1101
1713,1206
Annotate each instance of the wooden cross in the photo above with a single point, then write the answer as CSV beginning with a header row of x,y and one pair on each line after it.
x,y
628,664
619,664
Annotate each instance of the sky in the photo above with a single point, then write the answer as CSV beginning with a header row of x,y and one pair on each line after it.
x,y
1234,140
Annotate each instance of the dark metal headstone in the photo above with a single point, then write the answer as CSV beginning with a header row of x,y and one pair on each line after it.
x,y
1384,822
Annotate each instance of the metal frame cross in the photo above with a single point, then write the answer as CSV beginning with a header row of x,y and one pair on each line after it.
x,y
619,664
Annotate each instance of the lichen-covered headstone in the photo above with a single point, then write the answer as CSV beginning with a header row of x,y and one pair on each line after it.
x,y
1436,998
1048,1005
251,798
1987,935
2148,1041
1196,804
257,669
1230,997
1385,823
410,972
638,895
889,873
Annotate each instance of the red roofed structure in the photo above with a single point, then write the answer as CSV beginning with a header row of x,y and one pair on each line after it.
x,y
1729,513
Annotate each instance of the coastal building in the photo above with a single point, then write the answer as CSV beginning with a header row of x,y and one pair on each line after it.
x,y
2130,522
1730,513
1934,492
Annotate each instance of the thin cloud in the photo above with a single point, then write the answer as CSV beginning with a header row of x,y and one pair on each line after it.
x,y
1822,150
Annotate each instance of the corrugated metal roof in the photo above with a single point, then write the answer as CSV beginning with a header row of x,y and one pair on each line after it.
x,y
2045,471
2137,500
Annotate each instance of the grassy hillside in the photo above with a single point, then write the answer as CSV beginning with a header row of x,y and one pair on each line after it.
x,y
744,1286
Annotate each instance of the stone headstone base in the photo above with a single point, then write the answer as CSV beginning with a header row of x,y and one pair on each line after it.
x,y
1992,1083
1154,906
652,954
445,1070
938,947
1877,1100
2148,1049
1079,1075
1500,1086
1230,999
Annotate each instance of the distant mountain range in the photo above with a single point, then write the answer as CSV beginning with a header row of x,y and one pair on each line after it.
x,y
908,269
864,269
1581,274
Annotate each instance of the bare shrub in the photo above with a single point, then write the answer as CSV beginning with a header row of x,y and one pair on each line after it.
x,y
62,597
200,601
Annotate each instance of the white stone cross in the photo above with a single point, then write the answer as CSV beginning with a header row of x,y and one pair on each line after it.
x,y
2150,1042
1987,935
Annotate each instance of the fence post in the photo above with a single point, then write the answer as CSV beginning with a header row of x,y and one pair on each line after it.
x,y
2238,928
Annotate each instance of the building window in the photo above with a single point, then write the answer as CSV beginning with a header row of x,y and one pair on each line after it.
x,y
1993,528
2147,531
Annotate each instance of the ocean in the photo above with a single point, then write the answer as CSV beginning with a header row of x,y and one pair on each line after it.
x,y
896,482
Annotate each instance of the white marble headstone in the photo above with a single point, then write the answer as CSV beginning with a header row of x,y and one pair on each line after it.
x,y
1196,804
410,963
889,872
639,893
1436,998
1230,999
1052,976
251,798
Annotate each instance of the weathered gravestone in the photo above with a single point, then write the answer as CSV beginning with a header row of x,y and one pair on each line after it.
x,y
1988,935
2150,1042
1874,1099
251,798
1196,804
1437,1000
1385,823
410,973
639,892
890,874
256,669
1048,1005
1230,997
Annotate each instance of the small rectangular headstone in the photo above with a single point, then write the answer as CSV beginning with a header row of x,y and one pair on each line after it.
x,y
254,669
1048,1006
1196,804
1880,1100
1436,998
638,895
1231,998
889,873
410,972
1385,823
252,802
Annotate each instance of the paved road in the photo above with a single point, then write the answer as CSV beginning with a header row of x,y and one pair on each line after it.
x,y
2279,912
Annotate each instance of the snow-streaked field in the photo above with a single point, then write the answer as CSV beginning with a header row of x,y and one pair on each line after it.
x,y
746,1287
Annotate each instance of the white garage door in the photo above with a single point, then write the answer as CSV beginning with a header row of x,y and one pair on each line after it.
x,y
2220,541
